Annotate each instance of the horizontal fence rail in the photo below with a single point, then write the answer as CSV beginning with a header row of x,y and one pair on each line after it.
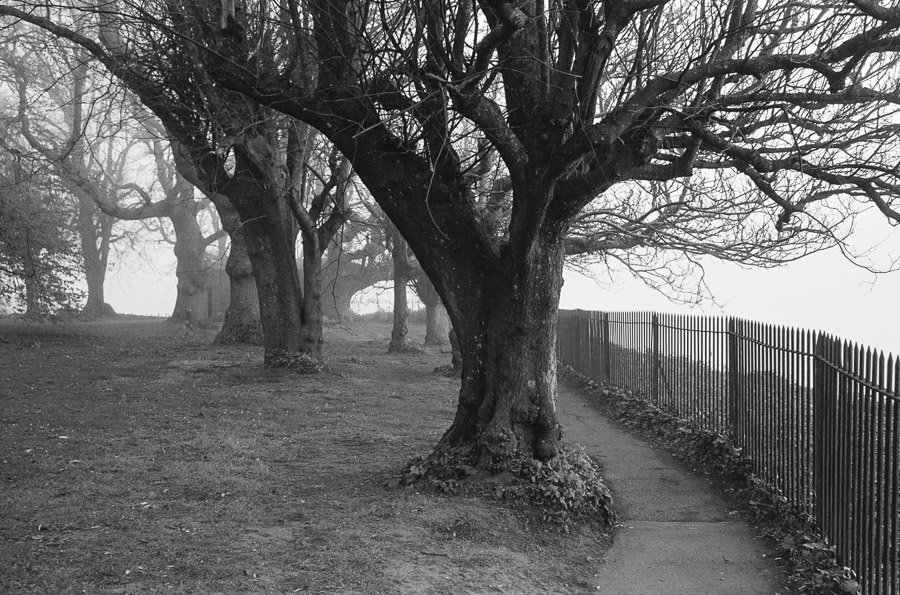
x,y
818,417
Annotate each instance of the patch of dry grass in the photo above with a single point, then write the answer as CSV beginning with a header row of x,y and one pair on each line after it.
x,y
135,458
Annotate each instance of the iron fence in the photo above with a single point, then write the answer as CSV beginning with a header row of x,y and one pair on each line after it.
x,y
818,417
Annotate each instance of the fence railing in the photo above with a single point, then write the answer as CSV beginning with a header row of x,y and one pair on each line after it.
x,y
818,417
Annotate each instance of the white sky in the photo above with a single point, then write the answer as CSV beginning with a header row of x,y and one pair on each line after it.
x,y
143,285
821,292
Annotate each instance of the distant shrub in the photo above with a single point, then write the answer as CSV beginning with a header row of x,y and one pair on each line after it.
x,y
387,317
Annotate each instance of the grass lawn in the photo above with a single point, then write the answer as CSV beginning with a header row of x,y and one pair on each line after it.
x,y
137,458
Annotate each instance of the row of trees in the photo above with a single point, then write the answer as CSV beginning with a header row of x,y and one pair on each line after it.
x,y
76,144
82,155
502,137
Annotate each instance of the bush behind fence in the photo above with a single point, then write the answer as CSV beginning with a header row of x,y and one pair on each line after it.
x,y
818,417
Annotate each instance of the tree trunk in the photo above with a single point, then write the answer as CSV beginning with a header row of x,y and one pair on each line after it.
x,y
507,402
94,235
259,195
241,324
311,330
400,328
95,275
191,270
33,307
435,314
270,245
435,324
502,297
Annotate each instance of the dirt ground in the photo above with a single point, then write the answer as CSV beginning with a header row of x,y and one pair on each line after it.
x,y
136,458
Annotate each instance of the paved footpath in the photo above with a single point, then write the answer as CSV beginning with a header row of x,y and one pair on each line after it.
x,y
677,536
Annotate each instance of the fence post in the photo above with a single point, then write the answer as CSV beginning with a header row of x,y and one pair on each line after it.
x,y
821,391
585,347
733,377
589,353
595,344
654,358
563,339
576,340
607,344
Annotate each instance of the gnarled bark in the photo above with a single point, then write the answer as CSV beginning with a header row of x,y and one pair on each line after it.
x,y
507,400
502,299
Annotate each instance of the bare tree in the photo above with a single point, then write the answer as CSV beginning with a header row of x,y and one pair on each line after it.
x,y
241,322
356,259
63,145
435,316
90,151
232,147
578,99
179,206
402,273
39,261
